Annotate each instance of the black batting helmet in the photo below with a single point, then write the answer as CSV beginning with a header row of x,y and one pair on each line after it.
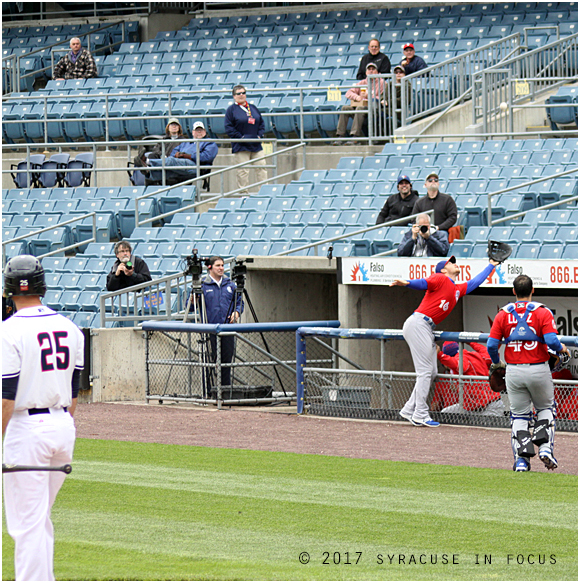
x,y
24,276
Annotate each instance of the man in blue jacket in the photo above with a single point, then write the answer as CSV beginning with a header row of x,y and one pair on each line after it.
x,y
218,292
411,61
182,163
423,240
244,121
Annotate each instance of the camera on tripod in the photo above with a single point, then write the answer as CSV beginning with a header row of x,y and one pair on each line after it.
x,y
238,269
194,264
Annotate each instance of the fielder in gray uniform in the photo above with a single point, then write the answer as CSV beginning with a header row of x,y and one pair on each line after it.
x,y
528,330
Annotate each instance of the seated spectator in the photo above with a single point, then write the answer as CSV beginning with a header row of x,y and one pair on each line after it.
x,y
444,206
374,56
182,162
423,240
411,61
78,64
359,101
401,204
173,131
128,269
477,396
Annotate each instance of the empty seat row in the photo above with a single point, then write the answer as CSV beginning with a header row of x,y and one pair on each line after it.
x,y
520,251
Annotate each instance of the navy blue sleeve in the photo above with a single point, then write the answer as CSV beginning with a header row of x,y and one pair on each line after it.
x,y
9,387
76,383
479,278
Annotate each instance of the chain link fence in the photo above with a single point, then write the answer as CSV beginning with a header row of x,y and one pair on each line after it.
x,y
380,394
224,364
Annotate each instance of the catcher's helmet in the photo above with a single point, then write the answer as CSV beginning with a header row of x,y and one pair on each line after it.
x,y
24,276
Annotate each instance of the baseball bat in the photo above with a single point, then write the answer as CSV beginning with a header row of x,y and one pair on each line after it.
x,y
9,468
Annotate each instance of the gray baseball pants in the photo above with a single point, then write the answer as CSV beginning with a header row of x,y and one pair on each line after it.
x,y
418,333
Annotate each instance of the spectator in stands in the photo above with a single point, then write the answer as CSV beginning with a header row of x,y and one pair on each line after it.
x,y
374,56
477,396
127,270
401,204
244,120
411,61
78,64
423,240
173,131
183,159
443,204
358,101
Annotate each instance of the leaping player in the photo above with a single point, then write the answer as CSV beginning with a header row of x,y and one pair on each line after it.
x,y
441,297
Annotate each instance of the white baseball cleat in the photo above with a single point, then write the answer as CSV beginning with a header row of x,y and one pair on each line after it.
x,y
427,422
549,460
408,418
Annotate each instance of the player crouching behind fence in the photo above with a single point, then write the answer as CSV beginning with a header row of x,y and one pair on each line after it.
x,y
528,330
222,306
477,395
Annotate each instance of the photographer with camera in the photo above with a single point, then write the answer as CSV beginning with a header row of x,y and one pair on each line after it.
x,y
222,306
424,240
128,270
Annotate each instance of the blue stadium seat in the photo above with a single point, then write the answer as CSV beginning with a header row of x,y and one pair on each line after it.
x,y
551,251
527,251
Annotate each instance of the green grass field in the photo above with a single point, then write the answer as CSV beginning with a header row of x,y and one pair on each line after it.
x,y
134,511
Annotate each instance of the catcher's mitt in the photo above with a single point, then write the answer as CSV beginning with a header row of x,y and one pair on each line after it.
x,y
558,360
498,251
497,377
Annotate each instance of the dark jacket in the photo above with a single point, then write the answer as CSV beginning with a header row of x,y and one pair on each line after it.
x,y
380,60
83,68
140,275
445,215
397,207
437,244
416,64
237,127
218,299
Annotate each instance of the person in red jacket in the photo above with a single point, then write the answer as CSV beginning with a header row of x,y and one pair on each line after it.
x,y
477,396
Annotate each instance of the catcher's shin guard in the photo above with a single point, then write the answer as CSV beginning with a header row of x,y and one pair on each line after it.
x,y
543,435
540,434
521,439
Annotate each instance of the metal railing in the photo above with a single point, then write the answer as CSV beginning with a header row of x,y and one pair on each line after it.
x,y
12,63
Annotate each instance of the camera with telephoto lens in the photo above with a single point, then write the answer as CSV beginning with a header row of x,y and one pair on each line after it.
x,y
129,265
424,228
194,264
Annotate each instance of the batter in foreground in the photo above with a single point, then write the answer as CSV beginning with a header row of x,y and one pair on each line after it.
x,y
42,356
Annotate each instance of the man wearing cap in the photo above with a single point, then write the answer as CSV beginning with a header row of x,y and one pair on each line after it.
x,y
477,395
374,56
182,162
359,101
445,215
401,204
441,297
423,240
411,61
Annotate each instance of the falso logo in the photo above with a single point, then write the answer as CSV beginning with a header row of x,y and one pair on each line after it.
x,y
359,272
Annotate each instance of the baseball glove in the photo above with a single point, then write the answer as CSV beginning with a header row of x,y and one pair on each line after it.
x,y
558,360
497,377
498,251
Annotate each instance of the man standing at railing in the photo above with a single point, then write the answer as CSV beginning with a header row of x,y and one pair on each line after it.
x,y
375,56
128,270
441,297
411,61
78,64
443,205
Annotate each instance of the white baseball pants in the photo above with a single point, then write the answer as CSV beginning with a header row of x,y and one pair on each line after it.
x,y
419,336
39,440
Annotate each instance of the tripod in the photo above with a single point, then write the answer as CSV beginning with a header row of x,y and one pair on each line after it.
x,y
242,292
197,300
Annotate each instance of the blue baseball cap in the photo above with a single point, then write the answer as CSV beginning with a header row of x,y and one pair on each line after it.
x,y
450,348
403,177
443,263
